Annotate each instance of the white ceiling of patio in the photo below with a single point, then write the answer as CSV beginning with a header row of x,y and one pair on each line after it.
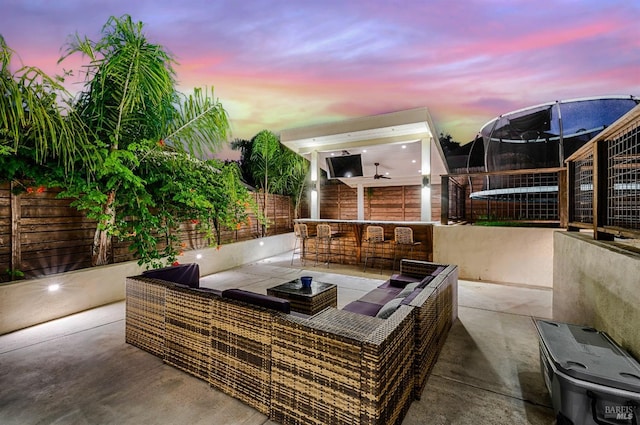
x,y
393,140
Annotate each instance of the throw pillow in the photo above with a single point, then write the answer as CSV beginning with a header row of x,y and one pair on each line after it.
x,y
183,274
387,310
408,289
400,280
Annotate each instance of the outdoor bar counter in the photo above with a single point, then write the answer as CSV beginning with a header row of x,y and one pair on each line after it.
x,y
348,245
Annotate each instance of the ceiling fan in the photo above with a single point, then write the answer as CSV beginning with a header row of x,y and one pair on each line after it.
x,y
377,176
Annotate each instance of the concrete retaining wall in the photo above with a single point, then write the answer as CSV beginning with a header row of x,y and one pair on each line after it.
x,y
597,284
29,302
520,255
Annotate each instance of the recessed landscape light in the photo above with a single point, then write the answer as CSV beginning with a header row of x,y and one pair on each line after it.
x,y
404,146
53,287
198,256
413,161
261,243
364,151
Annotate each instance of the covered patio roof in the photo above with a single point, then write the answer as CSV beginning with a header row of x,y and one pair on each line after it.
x,y
404,143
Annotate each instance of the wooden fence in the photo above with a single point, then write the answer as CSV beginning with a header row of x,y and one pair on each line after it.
x,y
41,234
394,203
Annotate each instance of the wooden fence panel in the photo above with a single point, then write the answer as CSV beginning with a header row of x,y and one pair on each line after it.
x,y
436,192
53,237
393,203
339,201
348,202
386,203
330,201
413,202
5,229
282,212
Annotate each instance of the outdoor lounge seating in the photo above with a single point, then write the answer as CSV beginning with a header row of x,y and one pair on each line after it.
x,y
399,289
337,366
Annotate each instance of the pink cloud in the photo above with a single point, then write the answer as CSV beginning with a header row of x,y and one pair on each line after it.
x,y
276,67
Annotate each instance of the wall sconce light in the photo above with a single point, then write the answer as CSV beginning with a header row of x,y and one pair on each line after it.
x,y
426,181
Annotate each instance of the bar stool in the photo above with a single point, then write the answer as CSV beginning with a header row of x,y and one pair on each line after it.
x,y
323,235
300,230
403,238
374,238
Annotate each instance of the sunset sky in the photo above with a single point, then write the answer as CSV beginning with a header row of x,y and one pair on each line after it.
x,y
282,64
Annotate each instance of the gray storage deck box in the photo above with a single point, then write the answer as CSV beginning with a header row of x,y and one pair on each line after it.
x,y
591,379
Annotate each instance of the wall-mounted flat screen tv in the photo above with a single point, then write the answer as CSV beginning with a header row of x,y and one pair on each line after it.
x,y
344,166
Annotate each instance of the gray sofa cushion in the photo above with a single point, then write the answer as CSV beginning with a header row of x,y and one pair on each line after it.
x,y
408,289
380,296
389,308
409,298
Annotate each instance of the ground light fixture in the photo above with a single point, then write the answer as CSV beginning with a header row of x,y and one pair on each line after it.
x,y
53,287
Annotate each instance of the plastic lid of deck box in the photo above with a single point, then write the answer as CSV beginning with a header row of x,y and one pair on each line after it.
x,y
590,355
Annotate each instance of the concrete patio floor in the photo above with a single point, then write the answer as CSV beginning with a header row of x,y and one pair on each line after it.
x,y
79,370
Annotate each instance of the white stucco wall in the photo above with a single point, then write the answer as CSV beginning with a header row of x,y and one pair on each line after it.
x,y
29,302
597,284
498,254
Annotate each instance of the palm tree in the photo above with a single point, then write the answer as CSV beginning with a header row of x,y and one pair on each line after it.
x,y
264,150
245,147
294,179
130,97
33,120
273,167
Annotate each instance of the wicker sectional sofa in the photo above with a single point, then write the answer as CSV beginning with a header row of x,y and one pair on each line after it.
x,y
336,367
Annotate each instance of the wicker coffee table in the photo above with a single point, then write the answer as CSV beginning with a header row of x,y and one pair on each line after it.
x,y
307,300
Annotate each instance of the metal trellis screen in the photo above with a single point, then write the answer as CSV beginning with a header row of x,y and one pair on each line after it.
x,y
623,180
515,196
583,190
604,181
